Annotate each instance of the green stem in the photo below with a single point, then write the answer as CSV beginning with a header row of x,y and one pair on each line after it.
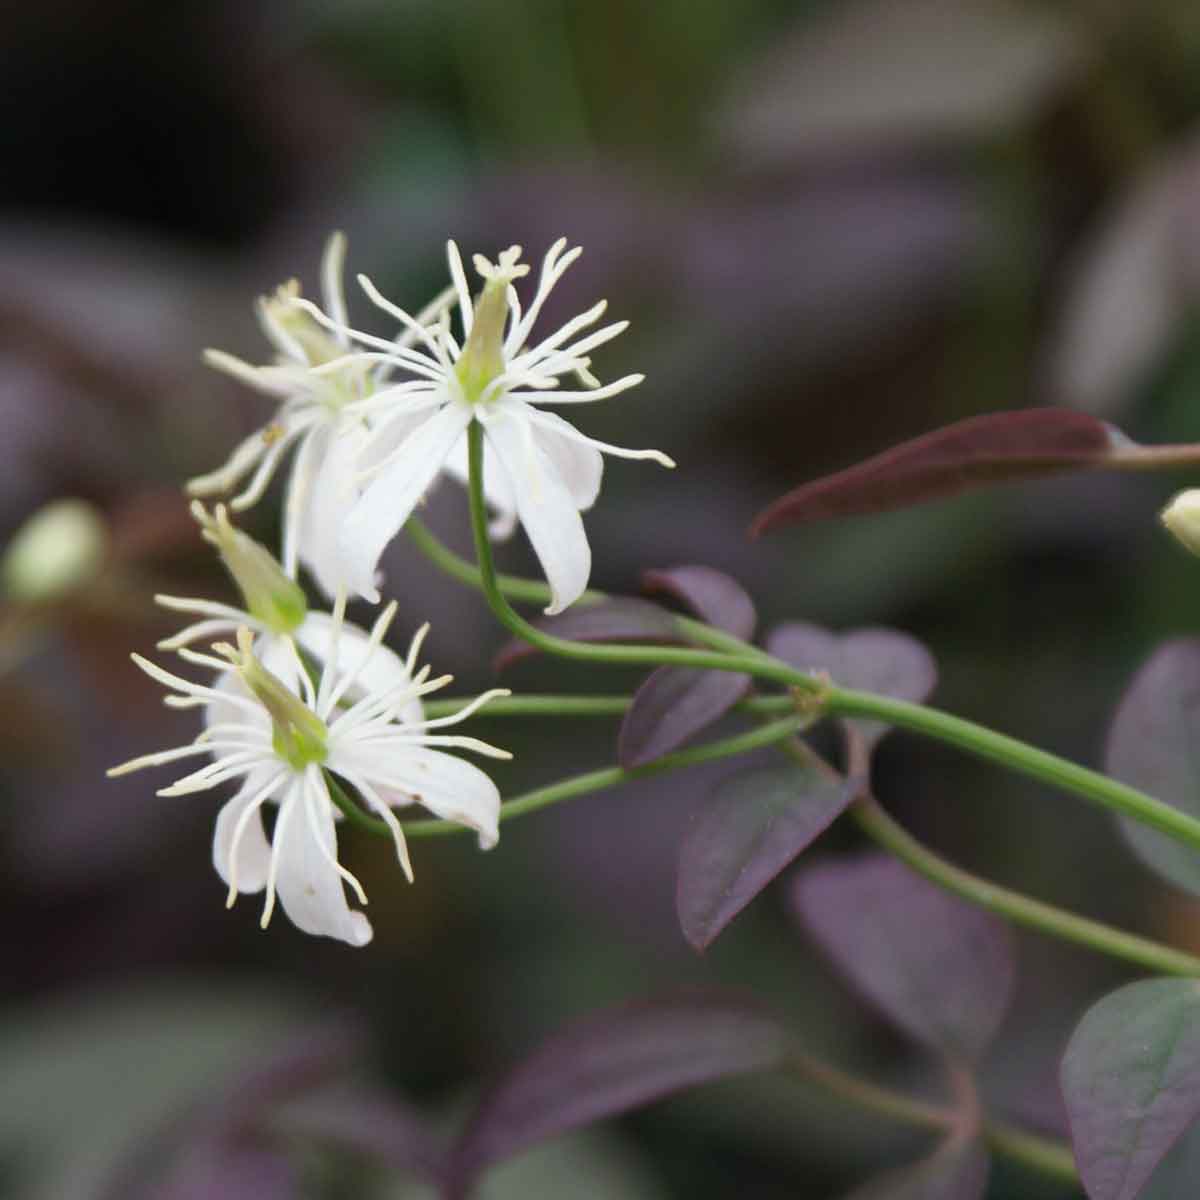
x,y
607,777
529,704
1043,1155
1021,909
1018,756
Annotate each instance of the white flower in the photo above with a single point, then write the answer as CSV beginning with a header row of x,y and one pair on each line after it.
x,y
323,394
280,744
537,465
276,611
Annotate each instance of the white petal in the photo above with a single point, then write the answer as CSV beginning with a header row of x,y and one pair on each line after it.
x,y
384,670
331,496
307,883
394,492
546,506
580,466
253,851
449,787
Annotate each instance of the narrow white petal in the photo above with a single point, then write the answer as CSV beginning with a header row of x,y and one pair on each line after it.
x,y
201,629
333,264
496,489
567,430
546,507
241,852
305,467
244,457
459,276
580,466
330,498
309,887
394,493
379,805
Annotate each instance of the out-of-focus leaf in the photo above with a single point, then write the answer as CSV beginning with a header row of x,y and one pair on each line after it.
x,y
757,823
1154,745
1175,1177
958,1171
977,452
875,660
1131,1081
1132,286
877,72
673,705
939,968
611,1063
623,619
712,595
232,1171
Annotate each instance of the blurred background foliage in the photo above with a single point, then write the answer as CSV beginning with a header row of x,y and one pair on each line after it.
x,y
834,224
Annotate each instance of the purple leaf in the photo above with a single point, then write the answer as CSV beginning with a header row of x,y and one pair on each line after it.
x,y
969,454
623,619
712,595
233,1170
940,969
756,824
1154,745
1131,1081
673,705
875,660
613,1062
958,1171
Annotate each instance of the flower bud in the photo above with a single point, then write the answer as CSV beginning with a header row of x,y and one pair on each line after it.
x,y
1182,518
59,549
285,319
277,601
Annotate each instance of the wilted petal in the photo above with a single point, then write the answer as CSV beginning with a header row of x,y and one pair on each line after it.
x,y
546,507
392,495
307,882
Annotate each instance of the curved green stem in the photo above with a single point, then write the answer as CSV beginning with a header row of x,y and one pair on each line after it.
x,y
1018,756
529,704
1016,907
1044,1155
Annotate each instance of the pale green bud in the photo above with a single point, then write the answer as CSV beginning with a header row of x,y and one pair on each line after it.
x,y
277,601
59,549
280,311
299,737
482,358
1182,518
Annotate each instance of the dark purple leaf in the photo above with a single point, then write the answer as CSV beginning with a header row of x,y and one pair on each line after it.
x,y
623,619
1175,1177
1131,1081
874,660
939,968
958,1171
756,824
1154,745
611,1063
712,595
673,705
968,454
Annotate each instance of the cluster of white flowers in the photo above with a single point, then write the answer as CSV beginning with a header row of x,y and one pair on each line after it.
x,y
301,696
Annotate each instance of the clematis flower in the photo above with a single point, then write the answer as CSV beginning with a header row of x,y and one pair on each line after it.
x,y
281,744
536,465
275,611
323,391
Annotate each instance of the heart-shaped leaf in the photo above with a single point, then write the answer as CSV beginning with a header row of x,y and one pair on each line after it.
x,y
712,595
756,824
1131,1081
611,1063
622,619
1154,745
673,705
939,968
958,1171
875,660
968,454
